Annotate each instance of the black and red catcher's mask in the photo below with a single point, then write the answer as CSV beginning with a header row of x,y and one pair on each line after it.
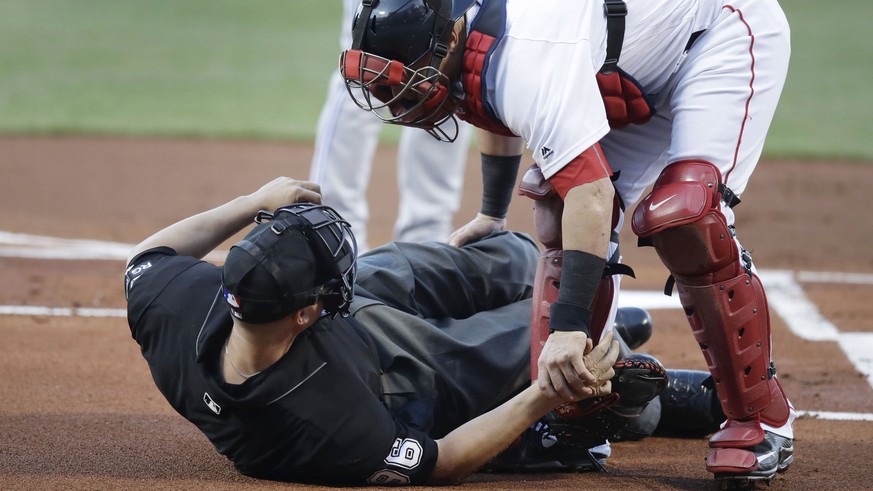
x,y
393,66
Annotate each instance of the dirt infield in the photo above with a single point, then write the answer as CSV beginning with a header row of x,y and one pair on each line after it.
x,y
78,409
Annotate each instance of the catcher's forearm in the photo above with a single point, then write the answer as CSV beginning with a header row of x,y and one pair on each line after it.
x,y
501,156
471,445
498,182
587,216
586,229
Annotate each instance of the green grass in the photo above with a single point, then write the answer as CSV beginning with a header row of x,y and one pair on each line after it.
x,y
826,107
257,69
223,68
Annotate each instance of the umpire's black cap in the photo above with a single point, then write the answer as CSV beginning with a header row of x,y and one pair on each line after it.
x,y
285,264
267,276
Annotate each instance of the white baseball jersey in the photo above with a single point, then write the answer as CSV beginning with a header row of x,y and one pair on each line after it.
x,y
542,83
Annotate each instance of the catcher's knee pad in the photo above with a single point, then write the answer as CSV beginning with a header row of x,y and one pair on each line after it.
x,y
723,299
683,219
548,206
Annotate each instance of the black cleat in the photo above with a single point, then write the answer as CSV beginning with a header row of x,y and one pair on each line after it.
x,y
689,405
634,325
773,455
537,450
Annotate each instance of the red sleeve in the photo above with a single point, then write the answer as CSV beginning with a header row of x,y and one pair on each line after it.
x,y
589,166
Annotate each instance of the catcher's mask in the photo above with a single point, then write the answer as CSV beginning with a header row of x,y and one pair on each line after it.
x,y
393,66
295,256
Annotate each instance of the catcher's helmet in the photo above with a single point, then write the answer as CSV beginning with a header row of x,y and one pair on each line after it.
x,y
295,256
397,47
405,30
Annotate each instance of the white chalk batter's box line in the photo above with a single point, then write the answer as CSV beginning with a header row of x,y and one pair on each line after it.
x,y
786,296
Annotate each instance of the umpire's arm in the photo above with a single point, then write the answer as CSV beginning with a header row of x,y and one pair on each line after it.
x,y
473,444
198,235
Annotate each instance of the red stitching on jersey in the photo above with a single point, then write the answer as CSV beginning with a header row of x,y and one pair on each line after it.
x,y
751,87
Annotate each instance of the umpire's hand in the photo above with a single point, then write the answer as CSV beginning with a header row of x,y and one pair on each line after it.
x,y
283,191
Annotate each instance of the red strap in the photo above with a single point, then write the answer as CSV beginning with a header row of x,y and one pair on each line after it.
x,y
731,460
395,73
366,68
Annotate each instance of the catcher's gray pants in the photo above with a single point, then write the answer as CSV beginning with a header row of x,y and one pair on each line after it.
x,y
452,325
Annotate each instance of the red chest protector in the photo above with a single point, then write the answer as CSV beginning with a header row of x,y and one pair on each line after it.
x,y
485,30
623,99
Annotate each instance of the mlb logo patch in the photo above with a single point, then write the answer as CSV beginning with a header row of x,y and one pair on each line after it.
x,y
231,299
211,404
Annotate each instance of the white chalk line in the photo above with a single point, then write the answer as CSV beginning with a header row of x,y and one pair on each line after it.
x,y
823,277
41,247
835,416
785,295
32,310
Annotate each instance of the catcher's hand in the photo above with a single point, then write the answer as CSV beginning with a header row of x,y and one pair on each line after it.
x,y
571,367
477,228
638,379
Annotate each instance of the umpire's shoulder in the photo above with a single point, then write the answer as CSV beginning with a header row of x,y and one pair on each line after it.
x,y
149,274
143,265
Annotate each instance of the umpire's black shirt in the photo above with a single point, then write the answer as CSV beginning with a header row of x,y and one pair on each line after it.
x,y
316,414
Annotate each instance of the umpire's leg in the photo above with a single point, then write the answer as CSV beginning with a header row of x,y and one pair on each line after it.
x,y
436,280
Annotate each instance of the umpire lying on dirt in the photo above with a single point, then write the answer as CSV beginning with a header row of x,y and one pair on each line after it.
x,y
301,362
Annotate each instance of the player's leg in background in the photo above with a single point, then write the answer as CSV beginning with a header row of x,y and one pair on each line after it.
x,y
430,180
344,145
345,142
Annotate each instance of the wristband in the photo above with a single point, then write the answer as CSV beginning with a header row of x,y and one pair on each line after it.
x,y
580,276
569,317
498,181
